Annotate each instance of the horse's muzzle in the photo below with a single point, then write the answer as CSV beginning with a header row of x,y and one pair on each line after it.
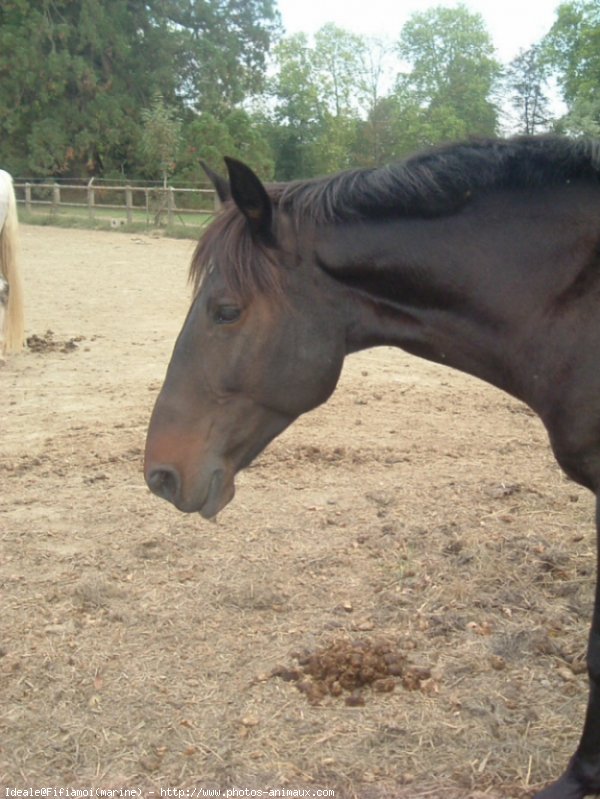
x,y
207,499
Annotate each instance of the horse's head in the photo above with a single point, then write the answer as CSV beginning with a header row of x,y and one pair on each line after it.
x,y
262,344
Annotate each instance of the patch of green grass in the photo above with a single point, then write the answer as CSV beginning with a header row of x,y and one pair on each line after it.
x,y
189,230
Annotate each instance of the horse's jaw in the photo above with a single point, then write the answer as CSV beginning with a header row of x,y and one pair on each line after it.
x,y
220,493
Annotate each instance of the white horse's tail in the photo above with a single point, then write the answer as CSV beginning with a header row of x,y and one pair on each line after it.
x,y
13,330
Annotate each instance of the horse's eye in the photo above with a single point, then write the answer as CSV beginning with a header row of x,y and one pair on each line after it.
x,y
227,314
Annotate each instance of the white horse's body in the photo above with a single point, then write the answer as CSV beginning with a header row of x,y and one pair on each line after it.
x,y
12,328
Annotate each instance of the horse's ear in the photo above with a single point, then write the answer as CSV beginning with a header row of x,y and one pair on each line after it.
x,y
251,198
220,184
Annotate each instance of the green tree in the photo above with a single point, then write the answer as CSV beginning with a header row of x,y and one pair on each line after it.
x,y
451,75
161,133
250,145
573,49
297,108
207,138
322,93
525,84
295,90
395,128
204,138
73,75
223,47
338,63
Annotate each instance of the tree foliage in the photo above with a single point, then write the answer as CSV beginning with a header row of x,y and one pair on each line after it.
x,y
160,137
321,92
526,87
222,45
79,78
75,75
572,50
451,75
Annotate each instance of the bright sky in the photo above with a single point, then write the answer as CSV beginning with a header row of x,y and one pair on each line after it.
x,y
513,24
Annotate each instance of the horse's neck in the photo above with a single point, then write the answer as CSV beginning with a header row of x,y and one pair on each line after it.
x,y
471,343
481,290
420,285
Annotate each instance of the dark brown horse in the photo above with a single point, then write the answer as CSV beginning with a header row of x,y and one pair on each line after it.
x,y
483,256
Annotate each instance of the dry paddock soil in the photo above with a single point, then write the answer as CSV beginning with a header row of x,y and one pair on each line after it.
x,y
417,522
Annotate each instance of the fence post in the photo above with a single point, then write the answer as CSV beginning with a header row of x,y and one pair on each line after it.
x,y
28,197
129,204
90,198
55,198
170,205
217,201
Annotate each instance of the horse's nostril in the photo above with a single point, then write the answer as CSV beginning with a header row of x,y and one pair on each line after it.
x,y
165,483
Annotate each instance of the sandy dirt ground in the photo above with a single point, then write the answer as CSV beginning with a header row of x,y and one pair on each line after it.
x,y
417,517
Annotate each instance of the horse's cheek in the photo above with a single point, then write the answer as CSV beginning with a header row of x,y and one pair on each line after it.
x,y
315,370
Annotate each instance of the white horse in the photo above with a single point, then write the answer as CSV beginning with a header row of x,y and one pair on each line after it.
x,y
12,327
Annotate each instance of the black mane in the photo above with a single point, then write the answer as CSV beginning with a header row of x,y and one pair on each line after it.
x,y
439,182
431,184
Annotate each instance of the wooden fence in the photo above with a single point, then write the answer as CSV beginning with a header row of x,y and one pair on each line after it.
x,y
120,203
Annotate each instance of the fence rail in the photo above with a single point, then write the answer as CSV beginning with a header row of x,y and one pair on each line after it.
x,y
154,202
